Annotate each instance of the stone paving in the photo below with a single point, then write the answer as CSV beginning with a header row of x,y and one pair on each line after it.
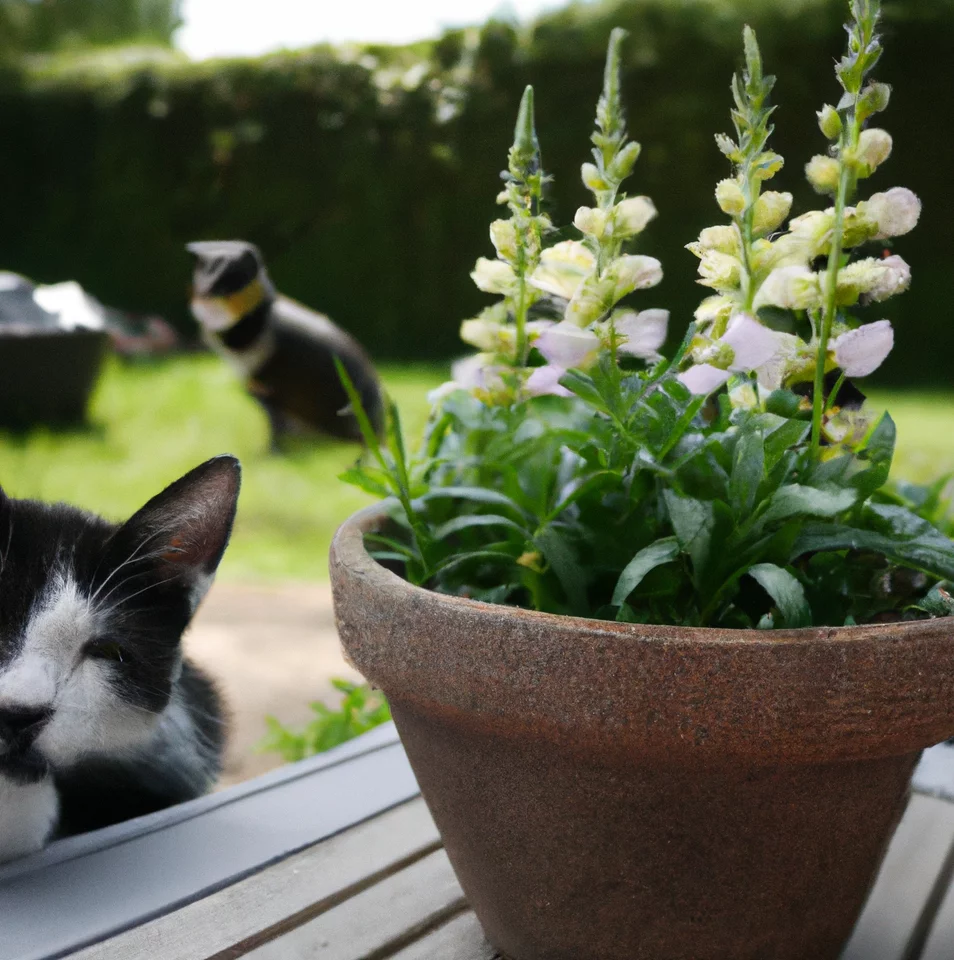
x,y
273,649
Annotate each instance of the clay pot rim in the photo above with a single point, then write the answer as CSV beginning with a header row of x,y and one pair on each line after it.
x,y
349,550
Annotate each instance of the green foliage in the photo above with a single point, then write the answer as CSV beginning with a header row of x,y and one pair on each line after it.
x,y
114,166
362,709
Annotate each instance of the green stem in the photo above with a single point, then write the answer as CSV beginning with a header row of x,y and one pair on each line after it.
x,y
831,300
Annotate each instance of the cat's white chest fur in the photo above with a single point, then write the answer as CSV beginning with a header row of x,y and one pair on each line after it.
x,y
28,815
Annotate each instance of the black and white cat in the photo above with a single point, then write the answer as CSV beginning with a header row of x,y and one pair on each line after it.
x,y
101,717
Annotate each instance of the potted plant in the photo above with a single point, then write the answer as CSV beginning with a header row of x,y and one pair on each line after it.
x,y
661,641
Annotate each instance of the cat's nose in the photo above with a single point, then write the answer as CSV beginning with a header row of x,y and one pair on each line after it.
x,y
20,726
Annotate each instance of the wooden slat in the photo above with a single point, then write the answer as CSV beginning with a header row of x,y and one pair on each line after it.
x,y
375,923
253,911
460,939
893,916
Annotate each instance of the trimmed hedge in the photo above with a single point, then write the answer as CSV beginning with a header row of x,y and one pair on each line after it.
x,y
368,176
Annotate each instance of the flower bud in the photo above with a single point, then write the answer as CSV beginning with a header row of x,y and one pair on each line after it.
x,y
563,268
767,165
874,147
591,301
872,278
634,273
725,239
631,216
625,160
591,221
592,179
790,288
484,334
874,98
858,227
894,212
770,212
713,309
895,278
503,235
823,173
719,270
829,122
493,276
730,198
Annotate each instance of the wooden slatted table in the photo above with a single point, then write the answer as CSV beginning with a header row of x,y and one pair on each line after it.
x,y
337,858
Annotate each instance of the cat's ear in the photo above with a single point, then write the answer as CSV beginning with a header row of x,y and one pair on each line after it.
x,y
186,528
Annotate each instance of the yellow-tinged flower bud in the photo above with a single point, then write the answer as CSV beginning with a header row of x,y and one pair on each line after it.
x,y
631,216
503,235
823,173
829,122
591,177
485,334
790,288
725,239
874,147
634,273
625,160
493,276
767,165
730,198
720,271
591,221
894,212
771,210
714,309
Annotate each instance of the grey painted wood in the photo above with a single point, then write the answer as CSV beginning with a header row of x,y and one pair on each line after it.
x,y
378,921
940,940
236,920
914,860
59,905
935,772
459,939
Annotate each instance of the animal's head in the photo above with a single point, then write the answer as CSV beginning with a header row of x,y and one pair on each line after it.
x,y
229,280
92,614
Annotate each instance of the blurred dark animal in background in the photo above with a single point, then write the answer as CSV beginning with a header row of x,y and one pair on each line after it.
x,y
283,350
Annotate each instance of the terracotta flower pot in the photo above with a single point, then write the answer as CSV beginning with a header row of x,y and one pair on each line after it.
x,y
626,792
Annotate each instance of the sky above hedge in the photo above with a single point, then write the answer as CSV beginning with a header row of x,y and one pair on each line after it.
x,y
216,28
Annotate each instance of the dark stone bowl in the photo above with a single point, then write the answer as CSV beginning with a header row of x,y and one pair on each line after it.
x,y
47,375
630,792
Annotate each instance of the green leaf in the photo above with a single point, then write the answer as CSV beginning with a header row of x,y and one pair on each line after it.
x,y
786,591
376,482
474,495
748,469
787,435
939,602
879,452
468,521
662,551
585,388
693,522
563,561
795,500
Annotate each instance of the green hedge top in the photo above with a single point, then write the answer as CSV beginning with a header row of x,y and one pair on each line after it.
x,y
368,175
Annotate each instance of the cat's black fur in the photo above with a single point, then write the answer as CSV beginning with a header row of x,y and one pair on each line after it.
x,y
101,718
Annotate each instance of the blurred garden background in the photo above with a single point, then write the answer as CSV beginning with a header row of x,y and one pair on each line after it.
x,y
366,172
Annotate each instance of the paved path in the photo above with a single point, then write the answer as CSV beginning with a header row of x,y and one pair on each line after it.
x,y
273,650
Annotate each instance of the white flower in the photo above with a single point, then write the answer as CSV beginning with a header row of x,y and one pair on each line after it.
x,y
477,372
545,381
752,344
591,301
719,270
634,273
874,147
482,333
770,211
630,216
493,276
591,221
823,173
566,345
435,396
790,288
703,378
860,352
876,279
643,333
814,229
503,235
895,212
730,198
562,269
723,238
791,353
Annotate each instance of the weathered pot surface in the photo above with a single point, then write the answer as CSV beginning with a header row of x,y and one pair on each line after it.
x,y
631,792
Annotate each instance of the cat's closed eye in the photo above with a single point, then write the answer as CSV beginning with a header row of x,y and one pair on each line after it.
x,y
104,648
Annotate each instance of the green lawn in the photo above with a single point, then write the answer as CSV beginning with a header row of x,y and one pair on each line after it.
x,y
153,422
